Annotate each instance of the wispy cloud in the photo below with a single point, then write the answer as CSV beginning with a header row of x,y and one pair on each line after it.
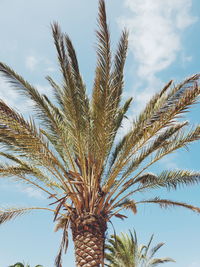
x,y
31,62
21,188
30,192
169,162
194,264
155,28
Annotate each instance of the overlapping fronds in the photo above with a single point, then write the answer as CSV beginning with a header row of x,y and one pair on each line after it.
x,y
172,105
22,136
107,114
149,181
49,116
123,251
101,111
168,179
160,141
32,93
31,175
72,95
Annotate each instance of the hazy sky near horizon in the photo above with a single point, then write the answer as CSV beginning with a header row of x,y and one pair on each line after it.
x,y
164,41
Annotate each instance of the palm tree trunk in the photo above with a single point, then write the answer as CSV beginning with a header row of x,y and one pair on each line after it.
x,y
88,233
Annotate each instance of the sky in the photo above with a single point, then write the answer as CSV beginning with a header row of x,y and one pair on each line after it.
x,y
163,45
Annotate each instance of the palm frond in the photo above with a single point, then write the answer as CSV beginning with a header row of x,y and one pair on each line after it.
x,y
101,103
128,204
63,245
121,114
29,174
106,110
7,214
171,179
118,72
174,105
147,113
17,132
156,262
155,249
123,251
73,99
31,92
160,141
167,179
22,137
179,140
166,203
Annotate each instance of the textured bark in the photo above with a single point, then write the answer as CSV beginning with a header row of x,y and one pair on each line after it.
x,y
89,238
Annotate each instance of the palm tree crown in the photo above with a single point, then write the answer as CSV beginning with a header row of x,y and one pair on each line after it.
x,y
73,155
124,251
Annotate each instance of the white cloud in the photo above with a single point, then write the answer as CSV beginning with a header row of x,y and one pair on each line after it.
x,y
194,264
155,30
34,62
31,192
31,62
185,59
21,188
50,69
169,162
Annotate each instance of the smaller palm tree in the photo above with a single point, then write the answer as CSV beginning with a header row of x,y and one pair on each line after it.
x,y
19,264
124,251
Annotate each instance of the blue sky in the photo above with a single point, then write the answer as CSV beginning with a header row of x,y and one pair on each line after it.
x,y
164,45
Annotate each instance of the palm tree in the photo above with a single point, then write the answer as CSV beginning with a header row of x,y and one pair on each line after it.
x,y
73,155
124,252
19,264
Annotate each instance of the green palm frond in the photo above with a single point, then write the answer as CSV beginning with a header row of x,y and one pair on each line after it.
x,y
72,98
119,62
22,136
170,179
148,181
173,107
178,140
158,143
31,92
153,105
123,251
155,249
166,203
101,106
156,262
7,214
29,175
